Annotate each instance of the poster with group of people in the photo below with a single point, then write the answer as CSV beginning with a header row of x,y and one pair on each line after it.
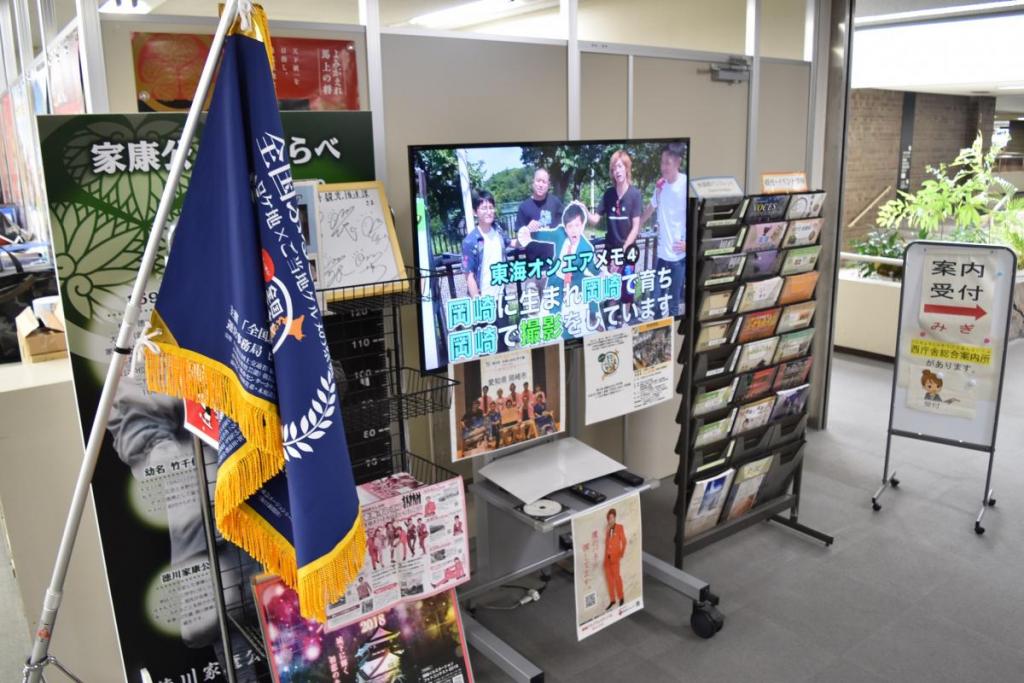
x,y
416,545
530,244
508,399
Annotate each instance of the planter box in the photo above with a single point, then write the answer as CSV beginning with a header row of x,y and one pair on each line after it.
x,y
867,313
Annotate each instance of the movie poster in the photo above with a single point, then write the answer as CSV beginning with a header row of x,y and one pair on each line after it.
x,y
607,564
310,74
508,399
628,370
416,545
419,641
104,177
540,242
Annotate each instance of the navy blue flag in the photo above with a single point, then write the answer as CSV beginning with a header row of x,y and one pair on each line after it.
x,y
240,330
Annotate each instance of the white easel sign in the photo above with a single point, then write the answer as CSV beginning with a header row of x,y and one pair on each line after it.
x,y
956,301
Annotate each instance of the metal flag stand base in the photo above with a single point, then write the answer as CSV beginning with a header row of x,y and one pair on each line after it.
x,y
889,478
40,657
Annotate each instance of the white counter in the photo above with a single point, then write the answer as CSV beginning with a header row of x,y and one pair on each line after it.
x,y
40,454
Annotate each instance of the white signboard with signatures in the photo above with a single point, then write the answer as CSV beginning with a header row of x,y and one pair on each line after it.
x,y
955,308
357,248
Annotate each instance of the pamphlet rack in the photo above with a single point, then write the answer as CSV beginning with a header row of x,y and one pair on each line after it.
x,y
711,441
378,394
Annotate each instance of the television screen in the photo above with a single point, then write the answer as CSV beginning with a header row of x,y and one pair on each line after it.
x,y
530,243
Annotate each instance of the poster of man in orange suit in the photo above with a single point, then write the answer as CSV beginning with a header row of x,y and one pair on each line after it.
x,y
608,564
614,549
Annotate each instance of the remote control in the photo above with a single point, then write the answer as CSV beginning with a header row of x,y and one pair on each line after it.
x,y
627,478
588,494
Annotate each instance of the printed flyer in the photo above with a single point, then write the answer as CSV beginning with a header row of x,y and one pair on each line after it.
x,y
798,288
507,399
607,564
715,304
715,399
753,415
628,369
416,545
714,431
805,205
419,640
756,384
764,236
712,335
748,482
706,503
793,373
802,233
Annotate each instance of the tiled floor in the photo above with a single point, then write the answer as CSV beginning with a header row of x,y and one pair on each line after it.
x,y
906,594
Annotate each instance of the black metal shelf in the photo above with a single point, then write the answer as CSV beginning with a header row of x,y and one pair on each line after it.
x,y
406,392
376,295
724,529
739,449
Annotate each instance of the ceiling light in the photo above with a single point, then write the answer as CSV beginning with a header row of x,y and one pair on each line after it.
x,y
935,12
1016,86
126,7
478,12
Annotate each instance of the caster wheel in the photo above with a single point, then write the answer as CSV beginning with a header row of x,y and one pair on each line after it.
x,y
706,620
713,599
978,528
876,506
894,482
991,502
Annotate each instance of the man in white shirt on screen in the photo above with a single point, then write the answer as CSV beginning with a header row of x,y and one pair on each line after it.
x,y
669,200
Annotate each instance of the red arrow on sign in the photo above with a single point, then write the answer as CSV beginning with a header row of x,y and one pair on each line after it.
x,y
976,312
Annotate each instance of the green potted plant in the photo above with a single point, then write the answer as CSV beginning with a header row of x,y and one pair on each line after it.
x,y
962,201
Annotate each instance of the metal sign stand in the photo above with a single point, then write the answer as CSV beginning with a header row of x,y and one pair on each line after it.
x,y
40,656
888,472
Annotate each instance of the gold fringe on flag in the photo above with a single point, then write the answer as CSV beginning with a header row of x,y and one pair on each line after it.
x,y
185,374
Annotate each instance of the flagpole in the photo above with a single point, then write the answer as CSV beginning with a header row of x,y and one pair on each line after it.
x,y
40,657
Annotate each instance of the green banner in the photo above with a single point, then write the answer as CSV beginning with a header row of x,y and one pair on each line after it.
x,y
104,178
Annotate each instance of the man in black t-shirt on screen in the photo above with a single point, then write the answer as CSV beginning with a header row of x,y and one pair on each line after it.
x,y
540,211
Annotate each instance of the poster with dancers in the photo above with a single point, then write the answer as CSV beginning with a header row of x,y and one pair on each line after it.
x,y
416,545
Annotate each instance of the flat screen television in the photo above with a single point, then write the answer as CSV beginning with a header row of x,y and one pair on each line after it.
x,y
529,243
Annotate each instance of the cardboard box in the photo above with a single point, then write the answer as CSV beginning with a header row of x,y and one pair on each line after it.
x,y
41,338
